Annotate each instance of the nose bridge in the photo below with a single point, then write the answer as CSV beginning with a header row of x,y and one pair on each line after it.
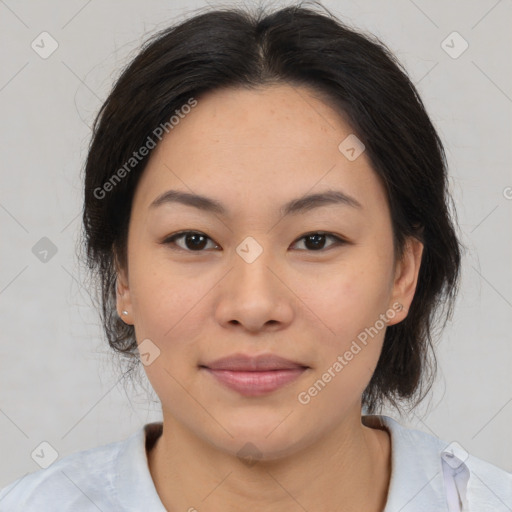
x,y
253,262
252,295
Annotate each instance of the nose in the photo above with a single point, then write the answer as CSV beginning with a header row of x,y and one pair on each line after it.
x,y
254,296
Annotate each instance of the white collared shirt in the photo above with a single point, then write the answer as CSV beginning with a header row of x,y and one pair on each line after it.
x,y
427,475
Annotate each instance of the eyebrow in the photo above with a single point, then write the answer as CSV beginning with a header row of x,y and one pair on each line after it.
x,y
293,207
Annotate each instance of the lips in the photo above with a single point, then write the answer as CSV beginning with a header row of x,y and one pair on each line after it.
x,y
246,363
254,376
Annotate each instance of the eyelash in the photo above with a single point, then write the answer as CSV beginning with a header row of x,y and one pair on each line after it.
x,y
172,238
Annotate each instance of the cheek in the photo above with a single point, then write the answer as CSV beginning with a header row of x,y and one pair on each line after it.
x,y
156,286
165,301
351,306
168,313
349,300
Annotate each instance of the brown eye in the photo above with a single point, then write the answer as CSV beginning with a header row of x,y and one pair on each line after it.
x,y
192,241
316,241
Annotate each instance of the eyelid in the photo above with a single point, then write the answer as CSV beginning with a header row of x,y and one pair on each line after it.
x,y
171,239
338,240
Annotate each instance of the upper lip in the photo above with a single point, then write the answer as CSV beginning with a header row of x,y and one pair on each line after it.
x,y
247,363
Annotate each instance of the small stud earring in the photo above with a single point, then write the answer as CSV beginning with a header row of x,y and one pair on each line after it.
x,y
124,312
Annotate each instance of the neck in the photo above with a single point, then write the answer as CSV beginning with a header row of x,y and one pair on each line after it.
x,y
347,470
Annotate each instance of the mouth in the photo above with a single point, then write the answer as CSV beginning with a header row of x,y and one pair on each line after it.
x,y
254,376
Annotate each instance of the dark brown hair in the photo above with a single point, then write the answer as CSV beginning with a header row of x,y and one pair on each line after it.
x,y
353,72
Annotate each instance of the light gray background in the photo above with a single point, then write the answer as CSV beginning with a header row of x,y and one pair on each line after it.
x,y
57,382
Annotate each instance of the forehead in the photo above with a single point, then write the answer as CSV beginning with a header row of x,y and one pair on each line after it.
x,y
256,148
276,119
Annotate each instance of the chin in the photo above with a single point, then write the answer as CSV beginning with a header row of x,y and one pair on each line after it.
x,y
263,438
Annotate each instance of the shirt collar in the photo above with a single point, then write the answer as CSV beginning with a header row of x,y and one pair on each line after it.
x,y
133,482
417,481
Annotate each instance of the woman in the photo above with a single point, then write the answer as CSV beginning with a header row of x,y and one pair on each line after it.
x,y
266,213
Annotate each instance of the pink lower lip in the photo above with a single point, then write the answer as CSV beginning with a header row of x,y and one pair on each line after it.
x,y
256,383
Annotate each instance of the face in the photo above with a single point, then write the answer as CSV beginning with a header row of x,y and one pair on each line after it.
x,y
265,273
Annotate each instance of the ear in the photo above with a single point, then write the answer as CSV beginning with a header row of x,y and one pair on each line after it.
x,y
406,277
123,300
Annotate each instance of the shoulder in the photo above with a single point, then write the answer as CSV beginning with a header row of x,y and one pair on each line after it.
x,y
431,445
489,484
445,467
80,481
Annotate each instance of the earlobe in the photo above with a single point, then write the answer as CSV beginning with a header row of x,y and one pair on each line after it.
x,y
406,277
123,303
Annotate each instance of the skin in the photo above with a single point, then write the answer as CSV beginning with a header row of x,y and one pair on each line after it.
x,y
254,150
